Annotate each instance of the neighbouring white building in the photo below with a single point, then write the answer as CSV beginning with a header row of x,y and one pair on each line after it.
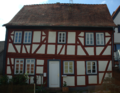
x,y
116,19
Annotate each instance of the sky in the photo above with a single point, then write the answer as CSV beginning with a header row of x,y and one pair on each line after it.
x,y
9,8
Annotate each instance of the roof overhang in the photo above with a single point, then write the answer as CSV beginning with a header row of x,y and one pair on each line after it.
x,y
61,27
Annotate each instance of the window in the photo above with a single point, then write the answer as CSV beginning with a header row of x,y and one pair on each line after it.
x,y
114,47
27,37
117,47
61,37
30,65
119,29
68,67
19,66
89,38
99,38
18,37
91,67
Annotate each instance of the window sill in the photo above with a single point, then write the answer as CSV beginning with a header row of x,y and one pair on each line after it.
x,y
89,45
61,43
68,74
17,43
26,43
91,74
100,45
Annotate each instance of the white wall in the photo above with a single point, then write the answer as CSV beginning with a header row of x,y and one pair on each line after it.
x,y
70,80
71,37
80,67
81,80
116,34
117,19
92,79
36,36
51,37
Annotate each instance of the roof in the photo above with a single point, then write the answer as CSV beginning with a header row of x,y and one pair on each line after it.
x,y
116,12
82,15
1,46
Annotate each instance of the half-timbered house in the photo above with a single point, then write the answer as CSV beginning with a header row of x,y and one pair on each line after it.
x,y
61,42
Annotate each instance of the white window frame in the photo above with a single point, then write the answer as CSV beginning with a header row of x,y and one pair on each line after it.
x,y
68,67
17,37
91,67
100,39
89,33
30,67
61,37
27,37
19,66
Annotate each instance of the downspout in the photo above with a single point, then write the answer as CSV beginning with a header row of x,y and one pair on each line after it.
x,y
5,51
113,48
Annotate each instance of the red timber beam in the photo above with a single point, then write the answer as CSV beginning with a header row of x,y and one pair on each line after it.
x,y
105,47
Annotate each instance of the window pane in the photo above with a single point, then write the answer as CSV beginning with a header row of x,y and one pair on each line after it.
x,y
114,47
119,29
66,67
32,61
89,67
28,61
70,68
66,63
117,46
89,71
70,63
88,63
16,71
66,71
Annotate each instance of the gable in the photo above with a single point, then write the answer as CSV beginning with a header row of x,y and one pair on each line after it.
x,y
117,18
116,13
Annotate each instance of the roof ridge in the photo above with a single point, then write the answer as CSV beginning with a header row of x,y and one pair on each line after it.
x,y
61,4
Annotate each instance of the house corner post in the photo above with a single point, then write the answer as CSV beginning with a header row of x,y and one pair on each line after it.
x,y
113,48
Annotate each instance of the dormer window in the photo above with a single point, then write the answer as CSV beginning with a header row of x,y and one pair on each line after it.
x,y
62,37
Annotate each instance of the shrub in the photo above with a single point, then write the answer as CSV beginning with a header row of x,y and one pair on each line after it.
x,y
19,80
4,80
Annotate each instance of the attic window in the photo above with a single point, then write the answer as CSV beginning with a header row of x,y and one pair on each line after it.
x,y
99,38
27,37
89,38
61,37
18,37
